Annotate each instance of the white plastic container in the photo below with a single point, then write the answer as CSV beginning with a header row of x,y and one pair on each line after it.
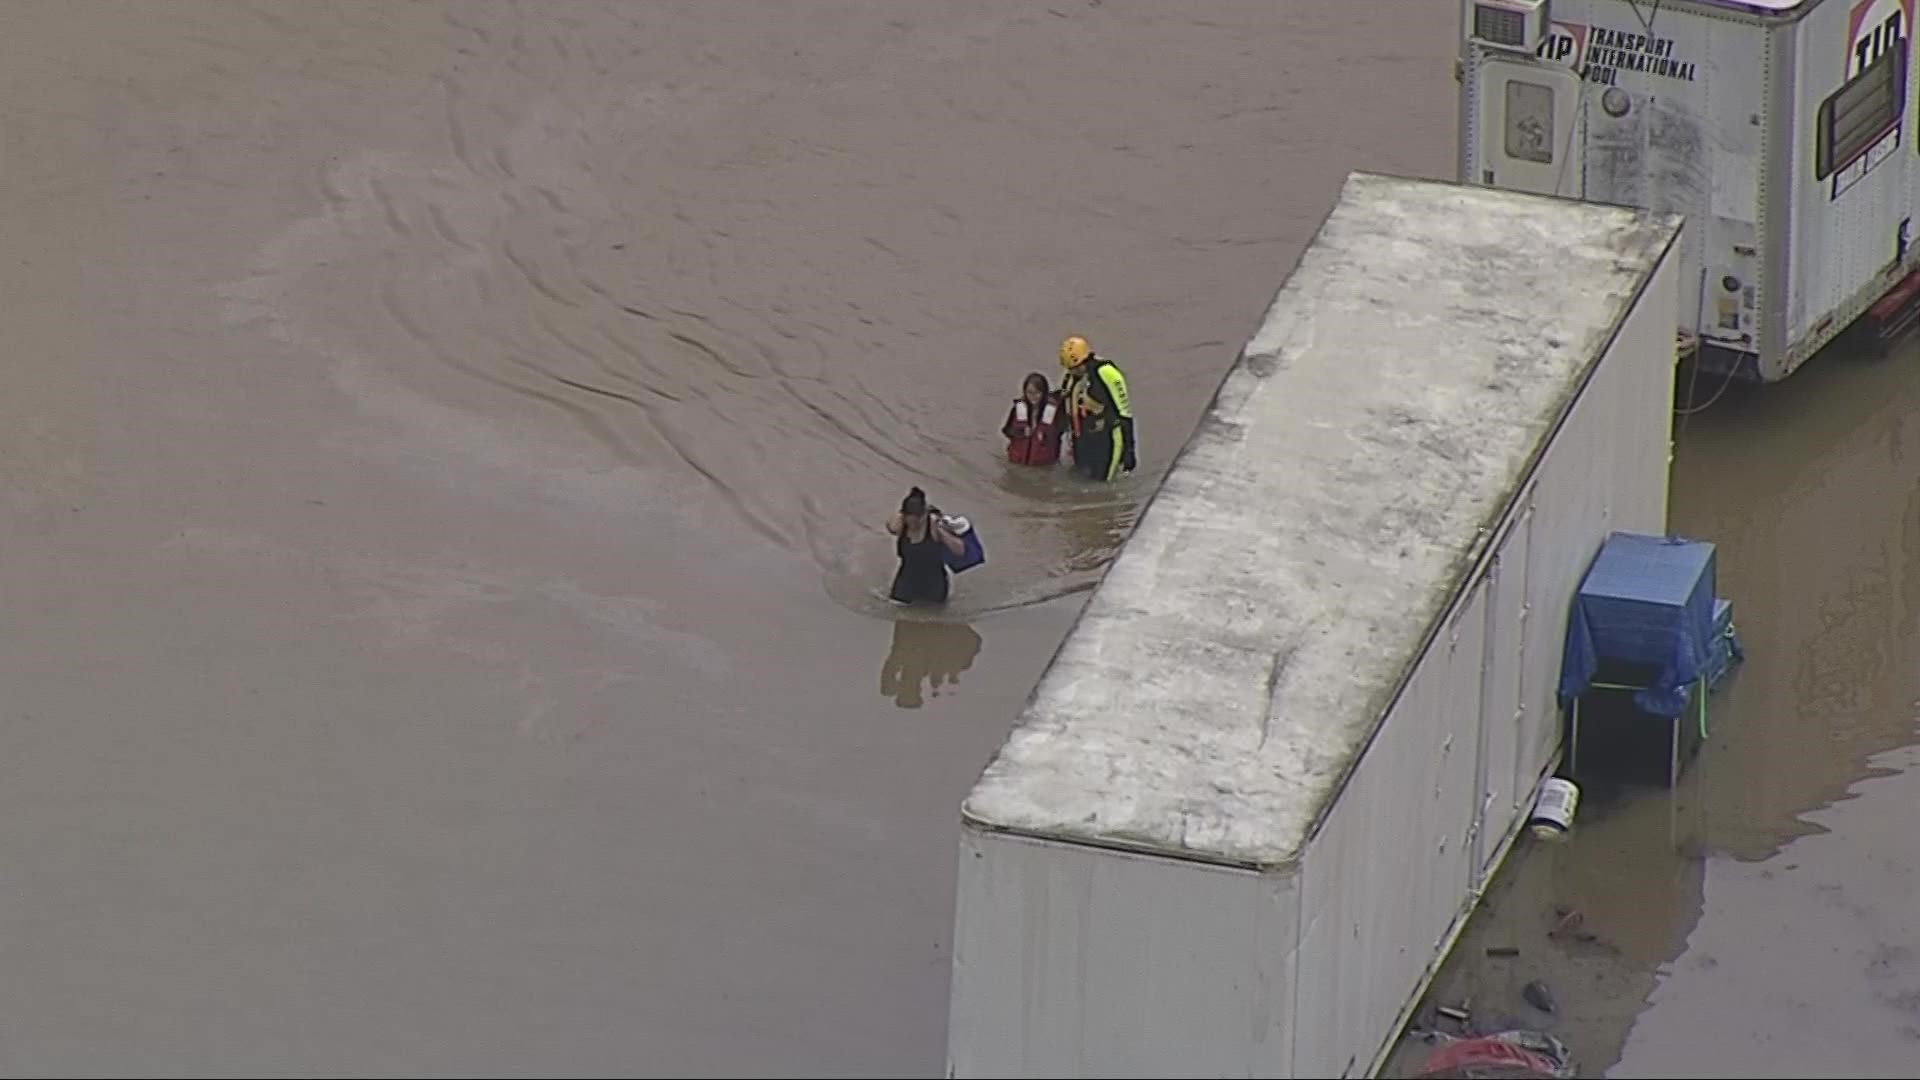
x,y
1554,809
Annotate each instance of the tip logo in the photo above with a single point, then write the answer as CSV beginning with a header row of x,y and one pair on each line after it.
x,y
1565,43
1873,28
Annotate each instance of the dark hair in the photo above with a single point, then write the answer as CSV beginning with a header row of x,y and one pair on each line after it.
x,y
914,503
1036,379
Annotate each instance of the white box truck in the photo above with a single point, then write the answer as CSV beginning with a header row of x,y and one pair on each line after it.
x,y
1265,777
1782,129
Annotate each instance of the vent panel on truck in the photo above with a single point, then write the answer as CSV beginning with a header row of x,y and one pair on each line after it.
x,y
1517,25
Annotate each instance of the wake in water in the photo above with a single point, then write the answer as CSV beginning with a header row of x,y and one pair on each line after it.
x,y
691,334
496,292
1046,537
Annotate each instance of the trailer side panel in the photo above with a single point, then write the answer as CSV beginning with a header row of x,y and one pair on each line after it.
x,y
1855,164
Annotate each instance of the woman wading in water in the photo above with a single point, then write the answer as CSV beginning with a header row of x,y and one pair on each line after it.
x,y
923,543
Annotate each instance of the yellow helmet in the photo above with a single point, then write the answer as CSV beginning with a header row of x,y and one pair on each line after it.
x,y
1074,351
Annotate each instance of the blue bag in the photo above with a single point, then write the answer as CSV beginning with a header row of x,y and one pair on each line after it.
x,y
974,554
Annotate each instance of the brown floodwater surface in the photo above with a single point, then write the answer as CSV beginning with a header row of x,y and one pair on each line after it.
x,y
444,449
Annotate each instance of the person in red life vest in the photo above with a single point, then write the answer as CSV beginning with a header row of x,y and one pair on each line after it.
x,y
1033,427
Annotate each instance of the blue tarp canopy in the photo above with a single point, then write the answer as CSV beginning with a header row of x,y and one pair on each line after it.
x,y
1646,601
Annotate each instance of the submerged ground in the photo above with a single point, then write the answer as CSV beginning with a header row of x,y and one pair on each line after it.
x,y
443,452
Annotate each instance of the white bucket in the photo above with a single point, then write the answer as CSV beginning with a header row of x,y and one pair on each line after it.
x,y
1553,810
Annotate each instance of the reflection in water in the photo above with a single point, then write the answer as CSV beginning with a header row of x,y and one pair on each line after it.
x,y
1818,941
1593,917
1813,501
1091,520
926,656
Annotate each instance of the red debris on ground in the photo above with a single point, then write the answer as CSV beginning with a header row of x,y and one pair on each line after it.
x,y
1509,1055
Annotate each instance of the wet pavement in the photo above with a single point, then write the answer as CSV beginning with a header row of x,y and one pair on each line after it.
x,y
1758,920
1804,964
444,452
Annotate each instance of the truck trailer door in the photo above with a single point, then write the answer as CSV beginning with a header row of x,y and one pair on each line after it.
x,y
1529,114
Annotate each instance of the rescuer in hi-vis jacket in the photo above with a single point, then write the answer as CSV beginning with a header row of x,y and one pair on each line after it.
x,y
1099,411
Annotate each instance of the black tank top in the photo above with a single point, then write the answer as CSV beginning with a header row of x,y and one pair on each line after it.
x,y
921,558
923,569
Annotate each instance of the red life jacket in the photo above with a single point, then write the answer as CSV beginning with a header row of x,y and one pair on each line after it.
x,y
1033,439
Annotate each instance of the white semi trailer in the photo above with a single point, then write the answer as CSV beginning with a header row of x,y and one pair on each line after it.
x,y
1262,783
1783,129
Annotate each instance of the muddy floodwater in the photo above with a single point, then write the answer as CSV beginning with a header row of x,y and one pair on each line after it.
x,y
443,453
444,447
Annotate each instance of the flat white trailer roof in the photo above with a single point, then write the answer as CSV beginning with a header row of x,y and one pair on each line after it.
x,y
1253,632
